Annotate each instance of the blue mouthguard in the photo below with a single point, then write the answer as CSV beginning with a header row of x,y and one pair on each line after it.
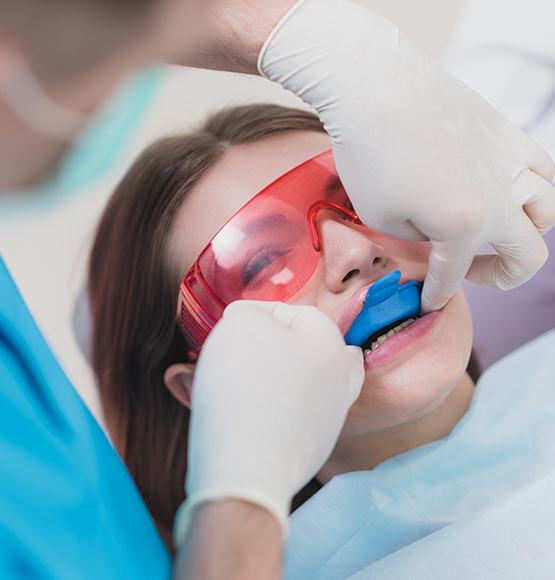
x,y
386,302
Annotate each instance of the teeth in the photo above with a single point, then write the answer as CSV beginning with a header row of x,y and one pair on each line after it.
x,y
389,334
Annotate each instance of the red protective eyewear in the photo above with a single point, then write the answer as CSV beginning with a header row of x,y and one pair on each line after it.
x,y
267,251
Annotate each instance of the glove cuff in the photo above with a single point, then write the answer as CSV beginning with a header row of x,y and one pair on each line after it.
x,y
185,512
276,29
315,33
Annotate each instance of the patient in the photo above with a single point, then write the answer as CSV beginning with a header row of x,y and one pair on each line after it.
x,y
170,204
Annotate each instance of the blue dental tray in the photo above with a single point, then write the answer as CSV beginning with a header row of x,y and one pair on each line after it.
x,y
386,302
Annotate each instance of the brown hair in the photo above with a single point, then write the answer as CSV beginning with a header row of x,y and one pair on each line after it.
x,y
133,295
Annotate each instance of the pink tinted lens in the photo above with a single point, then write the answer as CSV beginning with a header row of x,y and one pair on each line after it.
x,y
264,252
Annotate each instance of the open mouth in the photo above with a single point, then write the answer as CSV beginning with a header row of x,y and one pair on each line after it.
x,y
388,308
380,336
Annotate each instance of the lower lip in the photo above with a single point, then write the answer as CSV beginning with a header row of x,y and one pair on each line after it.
x,y
401,342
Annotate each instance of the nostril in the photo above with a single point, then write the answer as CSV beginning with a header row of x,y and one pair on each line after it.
x,y
350,274
377,260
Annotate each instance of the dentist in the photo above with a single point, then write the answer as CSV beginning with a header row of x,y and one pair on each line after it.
x,y
422,157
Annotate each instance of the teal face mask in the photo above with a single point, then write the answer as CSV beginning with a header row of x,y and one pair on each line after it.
x,y
95,152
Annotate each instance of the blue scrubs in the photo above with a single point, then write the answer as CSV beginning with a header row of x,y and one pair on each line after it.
x,y
68,507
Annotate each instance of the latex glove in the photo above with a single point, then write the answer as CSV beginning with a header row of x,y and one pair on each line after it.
x,y
421,155
271,391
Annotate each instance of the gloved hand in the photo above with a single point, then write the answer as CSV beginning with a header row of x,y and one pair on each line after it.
x,y
272,387
421,155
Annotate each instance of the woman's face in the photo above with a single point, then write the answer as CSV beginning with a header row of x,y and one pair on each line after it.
x,y
404,380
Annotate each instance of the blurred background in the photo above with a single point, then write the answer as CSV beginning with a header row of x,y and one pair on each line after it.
x,y
47,253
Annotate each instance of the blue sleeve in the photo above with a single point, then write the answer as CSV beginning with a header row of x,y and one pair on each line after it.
x,y
68,507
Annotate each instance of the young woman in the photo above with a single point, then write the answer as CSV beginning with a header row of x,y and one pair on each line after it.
x,y
168,207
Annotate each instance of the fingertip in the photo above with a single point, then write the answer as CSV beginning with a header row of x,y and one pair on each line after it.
x,y
425,308
357,372
356,352
449,263
430,302
428,305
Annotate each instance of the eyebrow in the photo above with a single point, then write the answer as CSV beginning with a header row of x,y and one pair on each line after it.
x,y
265,223
277,219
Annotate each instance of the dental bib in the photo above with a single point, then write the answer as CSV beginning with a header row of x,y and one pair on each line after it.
x,y
478,504
387,302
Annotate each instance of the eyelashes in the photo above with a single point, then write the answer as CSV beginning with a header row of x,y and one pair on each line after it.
x,y
259,262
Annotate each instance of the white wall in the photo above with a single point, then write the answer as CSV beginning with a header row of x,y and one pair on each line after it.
x,y
47,253
428,23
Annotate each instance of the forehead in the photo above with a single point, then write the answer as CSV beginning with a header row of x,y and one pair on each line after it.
x,y
242,172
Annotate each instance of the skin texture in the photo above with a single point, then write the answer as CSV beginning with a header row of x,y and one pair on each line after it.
x,y
245,530
228,35
419,396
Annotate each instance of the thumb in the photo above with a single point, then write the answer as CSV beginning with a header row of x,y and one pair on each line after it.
x,y
520,254
356,371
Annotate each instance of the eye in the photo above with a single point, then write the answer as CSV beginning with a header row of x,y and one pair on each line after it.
x,y
264,261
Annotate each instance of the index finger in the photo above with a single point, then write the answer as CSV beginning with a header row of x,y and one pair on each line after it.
x,y
449,262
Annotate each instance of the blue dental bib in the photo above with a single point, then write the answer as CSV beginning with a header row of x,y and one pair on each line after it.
x,y
386,302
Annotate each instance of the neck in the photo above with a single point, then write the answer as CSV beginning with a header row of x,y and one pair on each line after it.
x,y
368,450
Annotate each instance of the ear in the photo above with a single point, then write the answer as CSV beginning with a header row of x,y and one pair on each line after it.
x,y
179,381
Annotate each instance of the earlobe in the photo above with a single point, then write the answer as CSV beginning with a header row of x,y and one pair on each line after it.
x,y
179,381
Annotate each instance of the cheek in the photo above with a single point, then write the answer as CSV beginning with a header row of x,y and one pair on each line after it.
x,y
419,385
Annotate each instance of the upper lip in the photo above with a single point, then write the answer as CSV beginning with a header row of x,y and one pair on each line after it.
x,y
352,309
354,305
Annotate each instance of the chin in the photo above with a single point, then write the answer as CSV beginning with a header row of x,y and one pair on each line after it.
x,y
416,383
404,396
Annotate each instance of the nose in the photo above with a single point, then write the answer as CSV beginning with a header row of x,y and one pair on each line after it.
x,y
350,256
